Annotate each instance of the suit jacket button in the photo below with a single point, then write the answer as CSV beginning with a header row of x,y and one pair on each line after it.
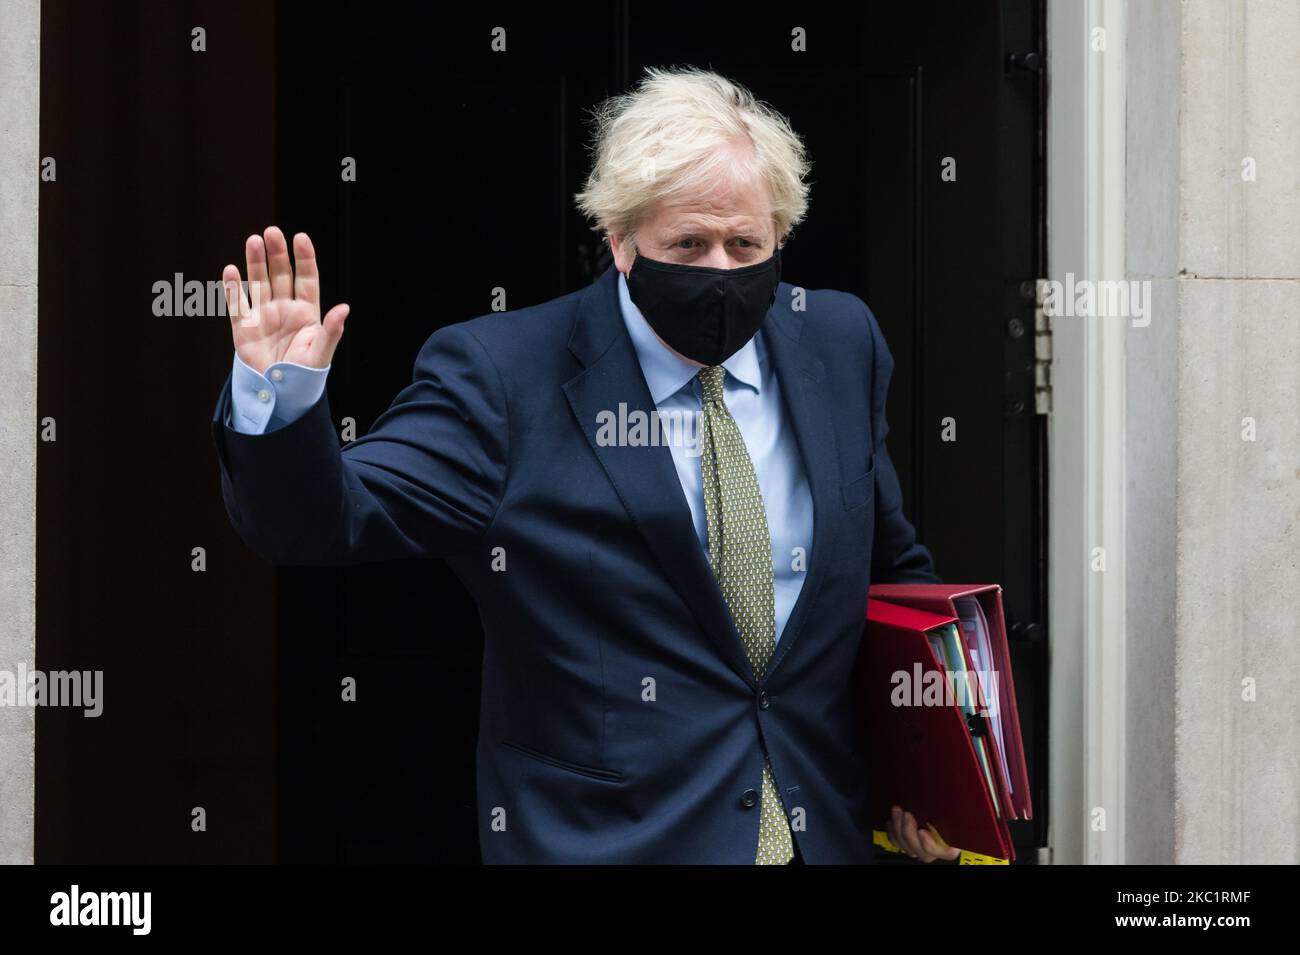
x,y
762,699
750,798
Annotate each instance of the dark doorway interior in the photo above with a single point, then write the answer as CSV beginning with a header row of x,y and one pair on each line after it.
x,y
224,685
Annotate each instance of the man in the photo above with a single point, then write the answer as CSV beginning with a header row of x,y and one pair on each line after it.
x,y
670,624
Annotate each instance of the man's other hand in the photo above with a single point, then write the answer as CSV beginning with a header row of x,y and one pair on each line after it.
x,y
916,842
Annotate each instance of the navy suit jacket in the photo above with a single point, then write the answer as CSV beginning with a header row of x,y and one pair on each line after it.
x,y
620,719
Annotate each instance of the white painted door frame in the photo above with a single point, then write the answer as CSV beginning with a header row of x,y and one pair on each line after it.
x,y
1085,223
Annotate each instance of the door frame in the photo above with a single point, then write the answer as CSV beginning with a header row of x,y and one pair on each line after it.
x,y
1086,105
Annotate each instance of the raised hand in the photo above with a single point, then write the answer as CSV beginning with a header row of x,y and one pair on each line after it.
x,y
278,318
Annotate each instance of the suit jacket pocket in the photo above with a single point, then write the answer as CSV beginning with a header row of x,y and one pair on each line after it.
x,y
860,490
608,775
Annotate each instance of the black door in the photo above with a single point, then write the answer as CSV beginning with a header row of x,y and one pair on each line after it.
x,y
925,132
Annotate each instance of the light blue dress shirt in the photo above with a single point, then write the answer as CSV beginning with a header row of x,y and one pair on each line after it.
x,y
753,397
261,403
265,402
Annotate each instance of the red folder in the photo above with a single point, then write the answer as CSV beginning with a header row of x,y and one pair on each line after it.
x,y
932,748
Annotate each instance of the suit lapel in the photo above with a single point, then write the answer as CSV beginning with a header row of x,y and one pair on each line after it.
x,y
801,377
646,478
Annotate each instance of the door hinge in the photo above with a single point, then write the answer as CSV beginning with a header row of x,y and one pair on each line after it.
x,y
1042,352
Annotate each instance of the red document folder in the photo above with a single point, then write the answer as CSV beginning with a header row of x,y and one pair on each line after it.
x,y
924,751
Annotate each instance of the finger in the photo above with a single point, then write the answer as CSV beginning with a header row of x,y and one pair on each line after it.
x,y
942,849
891,828
306,280
237,309
259,285
277,257
322,347
914,840
896,829
931,845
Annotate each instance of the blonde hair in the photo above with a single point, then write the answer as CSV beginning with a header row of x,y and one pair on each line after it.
x,y
682,132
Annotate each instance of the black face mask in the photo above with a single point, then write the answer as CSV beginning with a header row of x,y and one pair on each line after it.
x,y
704,313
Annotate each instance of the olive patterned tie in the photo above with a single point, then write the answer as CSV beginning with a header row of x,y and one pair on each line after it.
x,y
740,550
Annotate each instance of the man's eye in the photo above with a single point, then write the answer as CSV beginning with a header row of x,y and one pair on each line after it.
x,y
682,242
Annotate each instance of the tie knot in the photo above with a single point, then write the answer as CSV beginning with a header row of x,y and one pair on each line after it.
x,y
711,382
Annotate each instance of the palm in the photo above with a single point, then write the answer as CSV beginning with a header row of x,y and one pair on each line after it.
x,y
285,330
278,318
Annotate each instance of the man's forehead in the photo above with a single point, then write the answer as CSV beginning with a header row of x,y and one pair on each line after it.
x,y
709,216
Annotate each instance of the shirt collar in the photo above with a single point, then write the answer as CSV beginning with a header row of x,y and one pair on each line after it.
x,y
665,373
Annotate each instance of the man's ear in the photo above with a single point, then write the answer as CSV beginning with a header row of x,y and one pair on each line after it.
x,y
621,244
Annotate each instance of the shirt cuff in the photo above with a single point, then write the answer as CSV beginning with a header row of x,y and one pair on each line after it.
x,y
262,402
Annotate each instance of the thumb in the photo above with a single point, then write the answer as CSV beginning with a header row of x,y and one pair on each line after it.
x,y
331,332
